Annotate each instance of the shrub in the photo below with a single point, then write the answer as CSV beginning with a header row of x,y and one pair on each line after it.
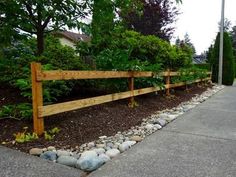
x,y
129,50
119,60
19,111
15,70
144,48
15,67
151,48
205,66
228,61
59,56
188,75
15,62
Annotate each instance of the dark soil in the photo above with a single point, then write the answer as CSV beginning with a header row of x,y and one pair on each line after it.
x,y
87,124
10,95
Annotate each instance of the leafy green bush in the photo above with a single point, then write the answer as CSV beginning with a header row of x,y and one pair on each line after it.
x,y
129,50
15,69
143,48
17,111
188,75
151,48
60,57
205,66
119,60
15,62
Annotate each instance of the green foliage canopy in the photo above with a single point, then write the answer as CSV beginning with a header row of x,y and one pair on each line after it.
x,y
15,66
40,16
151,48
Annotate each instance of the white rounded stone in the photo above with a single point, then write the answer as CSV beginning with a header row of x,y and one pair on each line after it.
x,y
113,153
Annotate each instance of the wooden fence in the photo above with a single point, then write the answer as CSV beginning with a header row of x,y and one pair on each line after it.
x,y
38,76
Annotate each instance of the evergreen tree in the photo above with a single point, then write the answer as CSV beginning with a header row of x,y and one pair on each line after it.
x,y
178,42
233,37
188,41
228,60
209,55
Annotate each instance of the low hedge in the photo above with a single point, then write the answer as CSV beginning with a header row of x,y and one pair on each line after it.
x,y
205,66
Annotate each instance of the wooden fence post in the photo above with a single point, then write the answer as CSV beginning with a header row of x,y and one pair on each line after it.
x,y
168,83
131,88
37,98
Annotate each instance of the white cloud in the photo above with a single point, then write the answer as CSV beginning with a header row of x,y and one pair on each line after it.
x,y
200,19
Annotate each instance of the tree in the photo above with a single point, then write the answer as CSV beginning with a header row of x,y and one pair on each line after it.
x,y
156,18
227,25
105,13
233,36
209,55
178,42
37,17
228,60
103,20
188,42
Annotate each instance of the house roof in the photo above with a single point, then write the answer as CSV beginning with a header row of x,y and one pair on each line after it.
x,y
199,59
74,37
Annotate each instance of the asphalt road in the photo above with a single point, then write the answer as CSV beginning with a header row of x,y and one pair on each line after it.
x,y
200,143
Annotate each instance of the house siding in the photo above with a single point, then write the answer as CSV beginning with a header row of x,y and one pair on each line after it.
x,y
67,42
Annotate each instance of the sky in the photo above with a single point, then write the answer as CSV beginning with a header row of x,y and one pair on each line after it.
x,y
199,18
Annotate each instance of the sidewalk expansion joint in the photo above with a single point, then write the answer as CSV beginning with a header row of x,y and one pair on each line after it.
x,y
199,135
216,109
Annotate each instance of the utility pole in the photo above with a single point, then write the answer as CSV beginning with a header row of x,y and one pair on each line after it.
x,y
221,43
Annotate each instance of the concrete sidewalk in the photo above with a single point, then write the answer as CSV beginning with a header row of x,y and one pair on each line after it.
x,y
200,143
18,164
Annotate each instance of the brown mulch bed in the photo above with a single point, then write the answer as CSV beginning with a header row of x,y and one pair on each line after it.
x,y
10,95
87,124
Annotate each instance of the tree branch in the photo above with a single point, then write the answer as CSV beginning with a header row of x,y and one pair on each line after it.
x,y
26,30
46,22
29,9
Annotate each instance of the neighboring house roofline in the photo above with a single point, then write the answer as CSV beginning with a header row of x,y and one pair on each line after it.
x,y
73,37
199,59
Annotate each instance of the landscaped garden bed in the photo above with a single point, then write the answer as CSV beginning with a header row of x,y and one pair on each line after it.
x,y
87,137
87,124
92,136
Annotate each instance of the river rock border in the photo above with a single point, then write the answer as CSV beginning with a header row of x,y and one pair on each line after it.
x,y
90,156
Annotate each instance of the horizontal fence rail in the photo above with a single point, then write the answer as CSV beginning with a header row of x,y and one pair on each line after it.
x,y
70,75
38,75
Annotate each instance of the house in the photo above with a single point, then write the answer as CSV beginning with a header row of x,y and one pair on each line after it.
x,y
70,39
199,59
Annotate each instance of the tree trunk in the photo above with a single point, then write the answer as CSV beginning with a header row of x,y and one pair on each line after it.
x,y
40,42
